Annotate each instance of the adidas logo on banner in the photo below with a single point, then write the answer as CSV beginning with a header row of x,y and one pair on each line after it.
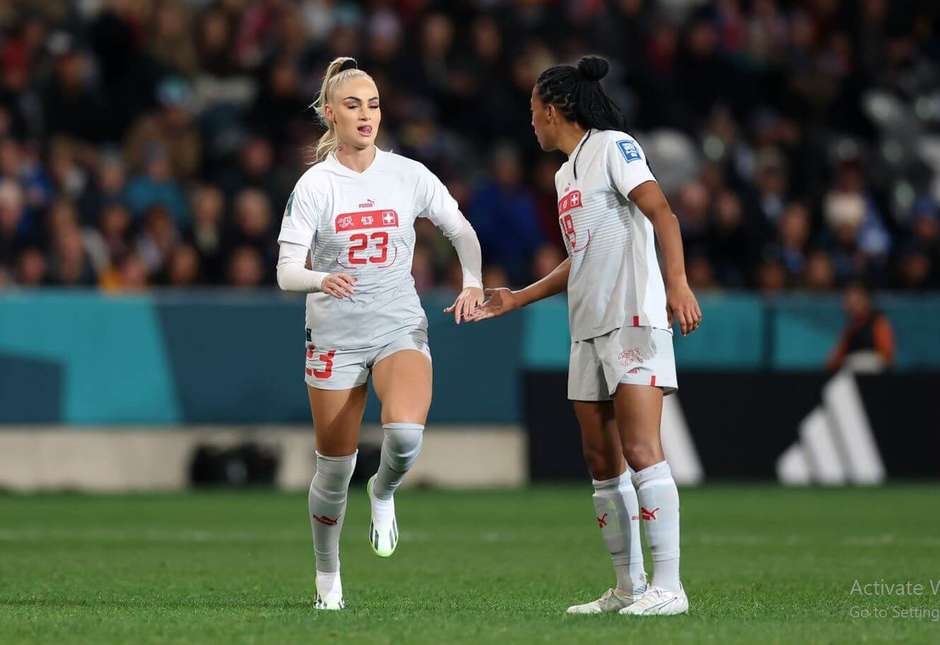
x,y
836,444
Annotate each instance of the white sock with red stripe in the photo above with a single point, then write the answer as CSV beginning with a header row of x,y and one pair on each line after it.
x,y
659,514
617,509
326,503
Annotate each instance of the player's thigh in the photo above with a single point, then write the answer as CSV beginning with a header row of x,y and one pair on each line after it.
x,y
403,383
639,412
337,415
600,439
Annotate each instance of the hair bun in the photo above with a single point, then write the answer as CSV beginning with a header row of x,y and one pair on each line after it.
x,y
593,68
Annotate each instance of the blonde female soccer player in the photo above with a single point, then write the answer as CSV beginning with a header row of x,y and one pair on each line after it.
x,y
353,214
612,212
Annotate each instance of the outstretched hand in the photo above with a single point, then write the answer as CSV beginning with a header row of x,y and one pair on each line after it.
x,y
498,302
466,305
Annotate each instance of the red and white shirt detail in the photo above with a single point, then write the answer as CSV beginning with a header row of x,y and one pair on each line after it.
x,y
615,279
363,224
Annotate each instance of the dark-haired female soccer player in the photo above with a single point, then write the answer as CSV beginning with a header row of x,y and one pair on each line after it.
x,y
612,212
353,214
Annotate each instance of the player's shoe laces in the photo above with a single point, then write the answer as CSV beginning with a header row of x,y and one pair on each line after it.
x,y
383,529
329,592
612,600
659,602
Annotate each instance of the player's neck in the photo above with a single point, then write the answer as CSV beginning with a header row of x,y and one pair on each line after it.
x,y
570,137
357,160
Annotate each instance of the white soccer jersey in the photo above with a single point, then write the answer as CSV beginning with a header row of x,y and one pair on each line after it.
x,y
615,277
363,224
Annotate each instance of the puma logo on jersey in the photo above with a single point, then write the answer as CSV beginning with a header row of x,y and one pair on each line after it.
x,y
367,204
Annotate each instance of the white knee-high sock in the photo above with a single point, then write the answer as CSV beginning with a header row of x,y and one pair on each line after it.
x,y
617,509
327,507
659,514
400,448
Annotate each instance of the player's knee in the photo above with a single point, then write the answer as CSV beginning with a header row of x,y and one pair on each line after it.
x,y
642,454
602,464
402,440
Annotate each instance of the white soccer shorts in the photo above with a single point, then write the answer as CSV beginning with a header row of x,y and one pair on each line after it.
x,y
635,355
332,369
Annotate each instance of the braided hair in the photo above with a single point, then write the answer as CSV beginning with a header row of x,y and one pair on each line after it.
x,y
576,92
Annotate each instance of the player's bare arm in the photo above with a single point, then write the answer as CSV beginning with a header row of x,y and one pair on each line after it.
x,y
502,300
681,304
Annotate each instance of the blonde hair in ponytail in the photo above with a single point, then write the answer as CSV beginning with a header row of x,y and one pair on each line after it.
x,y
331,80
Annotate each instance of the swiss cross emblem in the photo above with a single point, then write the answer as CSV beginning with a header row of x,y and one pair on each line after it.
x,y
388,217
576,199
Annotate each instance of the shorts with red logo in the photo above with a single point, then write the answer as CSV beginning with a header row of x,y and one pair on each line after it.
x,y
633,355
344,369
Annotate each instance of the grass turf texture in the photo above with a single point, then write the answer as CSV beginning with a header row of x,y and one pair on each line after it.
x,y
760,564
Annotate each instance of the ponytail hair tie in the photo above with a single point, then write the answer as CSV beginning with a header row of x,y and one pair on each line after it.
x,y
349,64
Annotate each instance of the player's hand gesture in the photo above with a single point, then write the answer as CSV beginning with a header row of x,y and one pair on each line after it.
x,y
681,305
466,305
338,285
498,302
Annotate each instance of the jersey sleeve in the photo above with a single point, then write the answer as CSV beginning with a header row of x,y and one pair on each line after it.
x,y
437,204
301,215
626,165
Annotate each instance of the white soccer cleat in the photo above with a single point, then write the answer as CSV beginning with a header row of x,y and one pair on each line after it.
x,y
329,592
383,529
659,602
612,600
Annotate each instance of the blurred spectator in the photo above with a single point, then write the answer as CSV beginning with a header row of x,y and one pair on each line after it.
x,y
205,232
169,131
12,228
30,267
71,105
731,241
70,265
819,274
245,268
783,132
700,273
771,275
794,232
183,270
111,238
867,342
157,186
158,239
503,213
129,273
253,227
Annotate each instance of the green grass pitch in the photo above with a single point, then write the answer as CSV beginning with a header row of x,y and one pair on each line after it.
x,y
761,565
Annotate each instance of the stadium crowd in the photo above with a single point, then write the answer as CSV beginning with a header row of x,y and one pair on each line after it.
x,y
155,142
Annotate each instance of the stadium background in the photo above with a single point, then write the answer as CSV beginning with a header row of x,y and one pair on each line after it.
x,y
147,148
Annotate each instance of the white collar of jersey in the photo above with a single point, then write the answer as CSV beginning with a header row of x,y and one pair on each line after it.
x,y
349,172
